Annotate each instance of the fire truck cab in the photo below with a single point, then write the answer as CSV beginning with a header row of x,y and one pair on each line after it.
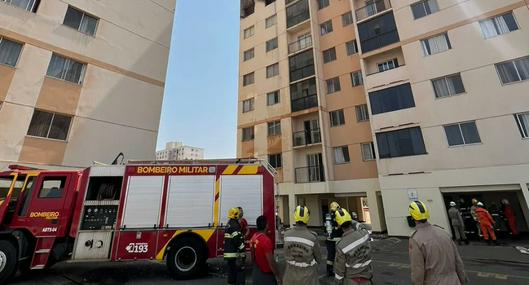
x,y
165,211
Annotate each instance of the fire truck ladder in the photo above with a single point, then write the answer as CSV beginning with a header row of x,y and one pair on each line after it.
x,y
42,252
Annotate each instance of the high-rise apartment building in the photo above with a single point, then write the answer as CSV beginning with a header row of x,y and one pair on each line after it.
x,y
444,83
81,80
179,151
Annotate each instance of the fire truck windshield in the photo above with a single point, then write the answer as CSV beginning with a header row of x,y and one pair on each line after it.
x,y
5,185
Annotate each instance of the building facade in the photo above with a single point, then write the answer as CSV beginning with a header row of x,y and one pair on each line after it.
x,y
445,83
80,80
179,151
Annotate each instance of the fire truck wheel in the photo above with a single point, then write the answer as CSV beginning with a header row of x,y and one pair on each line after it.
x,y
187,258
8,260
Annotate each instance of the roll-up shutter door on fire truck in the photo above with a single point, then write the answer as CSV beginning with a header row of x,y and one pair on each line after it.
x,y
143,201
244,191
190,201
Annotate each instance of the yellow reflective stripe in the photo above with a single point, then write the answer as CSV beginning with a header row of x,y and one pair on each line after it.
x,y
205,234
230,169
249,169
231,254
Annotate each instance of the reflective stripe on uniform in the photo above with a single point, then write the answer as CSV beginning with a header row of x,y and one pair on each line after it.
x,y
359,265
234,234
330,262
338,277
302,264
231,254
241,246
355,244
334,239
300,240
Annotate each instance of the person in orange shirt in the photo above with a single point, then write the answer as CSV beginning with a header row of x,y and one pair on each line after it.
x,y
508,212
486,223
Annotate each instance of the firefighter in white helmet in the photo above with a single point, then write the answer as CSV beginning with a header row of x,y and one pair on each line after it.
x,y
353,252
334,234
302,252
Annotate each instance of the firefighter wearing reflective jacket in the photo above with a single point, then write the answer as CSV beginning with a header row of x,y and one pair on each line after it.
x,y
334,233
234,248
302,252
353,252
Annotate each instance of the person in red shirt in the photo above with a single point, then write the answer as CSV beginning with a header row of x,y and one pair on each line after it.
x,y
265,270
244,225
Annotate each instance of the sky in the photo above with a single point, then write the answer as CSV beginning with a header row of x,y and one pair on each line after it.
x,y
200,101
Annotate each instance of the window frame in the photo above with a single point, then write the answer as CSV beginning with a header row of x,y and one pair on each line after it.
x,y
511,61
63,180
372,148
275,126
271,44
347,19
335,82
345,154
84,14
353,79
523,132
248,105
422,3
274,68
379,135
340,119
278,157
22,45
360,110
323,28
462,135
34,6
252,134
323,4
271,21
386,65
50,126
355,47
249,51
329,55
493,19
248,75
67,60
427,50
445,79
275,94
249,32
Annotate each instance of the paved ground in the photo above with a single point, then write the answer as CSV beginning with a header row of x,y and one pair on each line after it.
x,y
484,265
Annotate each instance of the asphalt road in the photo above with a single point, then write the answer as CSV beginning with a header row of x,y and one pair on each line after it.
x,y
484,265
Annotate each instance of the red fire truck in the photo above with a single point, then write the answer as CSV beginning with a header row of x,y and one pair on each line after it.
x,y
165,211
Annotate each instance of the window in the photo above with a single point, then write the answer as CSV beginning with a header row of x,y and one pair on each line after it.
x,y
272,98
513,70
247,134
424,8
248,32
297,13
66,69
323,3
448,86
462,133
337,118
523,124
378,32
391,99
303,95
398,143
9,52
356,78
52,187
368,151
387,65
248,79
49,125
329,55
341,154
249,54
498,25
362,113
270,21
301,65
275,160
333,85
248,105
274,128
271,44
352,47
28,5
326,27
80,21
268,2
347,19
272,70
436,44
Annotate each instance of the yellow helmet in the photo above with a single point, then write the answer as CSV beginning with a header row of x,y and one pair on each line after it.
x,y
233,213
334,206
302,214
418,211
343,216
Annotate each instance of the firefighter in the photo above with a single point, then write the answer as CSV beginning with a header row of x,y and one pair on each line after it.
x,y
474,216
334,233
486,223
508,212
302,252
433,255
457,223
353,252
234,248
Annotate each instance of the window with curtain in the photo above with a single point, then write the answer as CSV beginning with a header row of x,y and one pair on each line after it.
x,y
9,52
49,125
424,8
356,78
523,124
337,118
436,44
362,113
80,21
341,154
391,99
272,70
513,70
368,151
248,105
387,65
404,142
272,98
248,32
329,55
66,69
462,133
270,21
274,128
448,86
28,5
347,19
351,47
498,25
333,85
249,54
326,27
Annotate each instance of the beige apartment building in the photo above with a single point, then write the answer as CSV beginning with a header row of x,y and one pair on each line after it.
x,y
445,83
81,80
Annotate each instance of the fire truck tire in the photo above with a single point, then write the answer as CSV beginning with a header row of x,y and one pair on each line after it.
x,y
186,258
8,261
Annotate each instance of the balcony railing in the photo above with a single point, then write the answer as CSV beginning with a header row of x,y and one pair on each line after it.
x,y
379,41
309,174
297,13
307,137
301,44
304,103
372,9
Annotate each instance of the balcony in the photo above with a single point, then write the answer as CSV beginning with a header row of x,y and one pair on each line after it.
x,y
387,77
302,43
309,174
304,103
297,13
378,32
371,9
307,137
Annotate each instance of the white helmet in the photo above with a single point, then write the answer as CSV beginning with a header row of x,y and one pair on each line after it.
x,y
480,204
505,202
452,204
